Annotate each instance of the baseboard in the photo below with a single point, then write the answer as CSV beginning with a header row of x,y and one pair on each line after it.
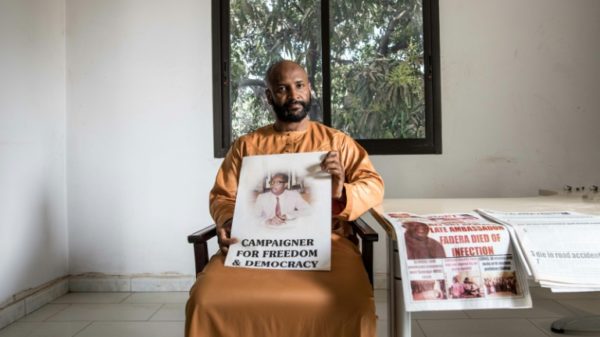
x,y
93,282
30,300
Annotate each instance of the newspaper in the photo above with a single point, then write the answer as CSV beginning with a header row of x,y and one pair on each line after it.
x,y
457,262
282,215
560,248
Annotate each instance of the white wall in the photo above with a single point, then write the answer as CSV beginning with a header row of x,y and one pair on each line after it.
x,y
33,222
520,87
519,113
140,148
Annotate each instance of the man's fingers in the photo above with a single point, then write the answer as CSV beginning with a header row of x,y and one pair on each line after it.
x,y
331,155
334,159
224,240
223,235
332,164
229,242
335,170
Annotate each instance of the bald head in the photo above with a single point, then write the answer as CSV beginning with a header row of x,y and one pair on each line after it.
x,y
282,66
417,230
288,91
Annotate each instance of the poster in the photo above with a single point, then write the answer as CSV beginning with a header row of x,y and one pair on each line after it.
x,y
282,215
457,262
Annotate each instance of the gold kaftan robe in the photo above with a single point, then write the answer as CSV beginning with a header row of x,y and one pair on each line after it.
x,y
239,302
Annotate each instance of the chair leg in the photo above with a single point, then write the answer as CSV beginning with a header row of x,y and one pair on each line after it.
x,y
367,257
200,256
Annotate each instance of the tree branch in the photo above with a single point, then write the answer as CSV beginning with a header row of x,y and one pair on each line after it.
x,y
248,82
385,39
398,46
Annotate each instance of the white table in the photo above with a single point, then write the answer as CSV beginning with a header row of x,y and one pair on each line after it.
x,y
401,325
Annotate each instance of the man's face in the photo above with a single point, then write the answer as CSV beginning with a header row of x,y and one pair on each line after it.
x,y
289,92
417,230
278,185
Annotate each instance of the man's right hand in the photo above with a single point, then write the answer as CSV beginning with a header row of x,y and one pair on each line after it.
x,y
224,236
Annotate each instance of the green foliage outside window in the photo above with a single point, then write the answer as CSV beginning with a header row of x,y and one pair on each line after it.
x,y
376,62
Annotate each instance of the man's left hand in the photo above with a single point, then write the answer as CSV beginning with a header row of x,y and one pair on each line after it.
x,y
332,164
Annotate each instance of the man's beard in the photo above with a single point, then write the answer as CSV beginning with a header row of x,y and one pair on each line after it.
x,y
284,113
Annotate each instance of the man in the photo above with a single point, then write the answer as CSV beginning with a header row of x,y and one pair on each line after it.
x,y
471,288
457,289
263,303
418,245
279,204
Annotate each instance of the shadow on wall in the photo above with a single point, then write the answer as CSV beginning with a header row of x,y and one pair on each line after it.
x,y
39,253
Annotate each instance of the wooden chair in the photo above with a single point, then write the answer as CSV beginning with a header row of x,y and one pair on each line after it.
x,y
366,234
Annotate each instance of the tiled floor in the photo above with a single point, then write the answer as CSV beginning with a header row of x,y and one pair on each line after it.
x,y
162,315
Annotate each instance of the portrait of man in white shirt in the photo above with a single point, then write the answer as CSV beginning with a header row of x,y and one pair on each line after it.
x,y
279,205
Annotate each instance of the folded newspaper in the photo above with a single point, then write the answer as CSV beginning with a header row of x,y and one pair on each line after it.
x,y
559,249
457,262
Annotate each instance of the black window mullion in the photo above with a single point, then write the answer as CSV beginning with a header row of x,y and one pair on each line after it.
x,y
326,65
433,84
220,62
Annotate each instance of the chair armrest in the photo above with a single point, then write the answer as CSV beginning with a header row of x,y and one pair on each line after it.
x,y
203,235
366,232
367,236
199,239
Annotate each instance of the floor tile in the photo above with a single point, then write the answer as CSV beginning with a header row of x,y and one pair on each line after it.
x,y
133,329
539,292
163,314
44,313
382,328
455,314
381,308
381,303
106,312
170,312
92,298
415,330
43,329
161,297
545,323
591,306
142,284
480,328
541,309
380,295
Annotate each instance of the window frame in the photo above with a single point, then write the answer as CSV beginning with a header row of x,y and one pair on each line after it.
x,y
431,144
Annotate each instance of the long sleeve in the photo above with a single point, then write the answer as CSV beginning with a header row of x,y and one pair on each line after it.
x,y
364,186
223,194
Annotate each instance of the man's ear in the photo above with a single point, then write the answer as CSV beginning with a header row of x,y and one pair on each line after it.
x,y
269,96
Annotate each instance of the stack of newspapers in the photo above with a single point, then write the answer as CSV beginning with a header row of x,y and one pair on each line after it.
x,y
457,261
560,250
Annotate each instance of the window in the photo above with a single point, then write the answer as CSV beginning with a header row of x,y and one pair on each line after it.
x,y
373,66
